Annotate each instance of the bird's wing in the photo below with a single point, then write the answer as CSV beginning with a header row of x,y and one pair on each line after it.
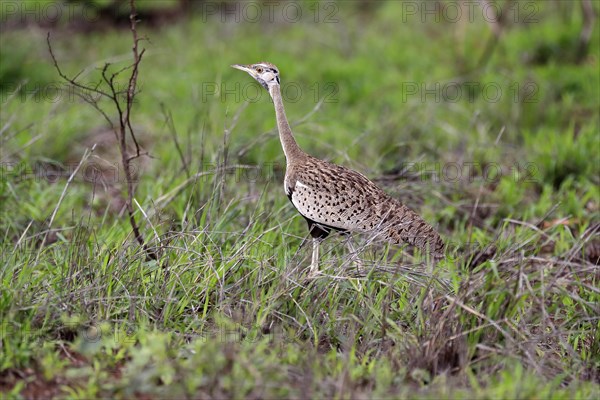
x,y
344,199
335,196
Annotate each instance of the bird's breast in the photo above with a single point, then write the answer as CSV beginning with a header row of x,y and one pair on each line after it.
x,y
319,203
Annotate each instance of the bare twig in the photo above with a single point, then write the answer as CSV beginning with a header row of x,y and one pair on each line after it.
x,y
124,127
137,59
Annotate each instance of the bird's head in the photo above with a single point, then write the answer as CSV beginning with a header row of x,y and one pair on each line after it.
x,y
265,73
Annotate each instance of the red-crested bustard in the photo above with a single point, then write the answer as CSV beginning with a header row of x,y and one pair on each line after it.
x,y
330,196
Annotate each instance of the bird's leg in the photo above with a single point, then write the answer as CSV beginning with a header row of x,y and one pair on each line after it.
x,y
314,265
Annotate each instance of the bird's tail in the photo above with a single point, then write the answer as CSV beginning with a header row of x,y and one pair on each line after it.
x,y
401,224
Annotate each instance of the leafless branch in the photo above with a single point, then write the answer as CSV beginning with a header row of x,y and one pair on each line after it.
x,y
124,128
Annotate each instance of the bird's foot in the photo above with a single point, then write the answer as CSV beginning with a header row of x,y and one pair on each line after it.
x,y
313,272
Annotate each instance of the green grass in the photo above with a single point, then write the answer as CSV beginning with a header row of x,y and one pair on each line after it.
x,y
226,311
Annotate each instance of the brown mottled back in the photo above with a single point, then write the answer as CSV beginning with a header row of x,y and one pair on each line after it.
x,y
343,199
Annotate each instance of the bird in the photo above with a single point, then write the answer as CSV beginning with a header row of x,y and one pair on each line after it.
x,y
333,197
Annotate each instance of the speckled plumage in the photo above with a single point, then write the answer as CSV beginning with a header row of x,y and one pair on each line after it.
x,y
333,196
330,196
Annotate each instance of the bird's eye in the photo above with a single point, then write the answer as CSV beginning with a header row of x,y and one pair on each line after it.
x,y
259,70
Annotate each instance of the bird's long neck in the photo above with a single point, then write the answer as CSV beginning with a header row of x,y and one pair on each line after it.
x,y
290,147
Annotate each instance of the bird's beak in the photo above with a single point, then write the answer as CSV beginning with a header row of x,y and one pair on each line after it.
x,y
244,68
